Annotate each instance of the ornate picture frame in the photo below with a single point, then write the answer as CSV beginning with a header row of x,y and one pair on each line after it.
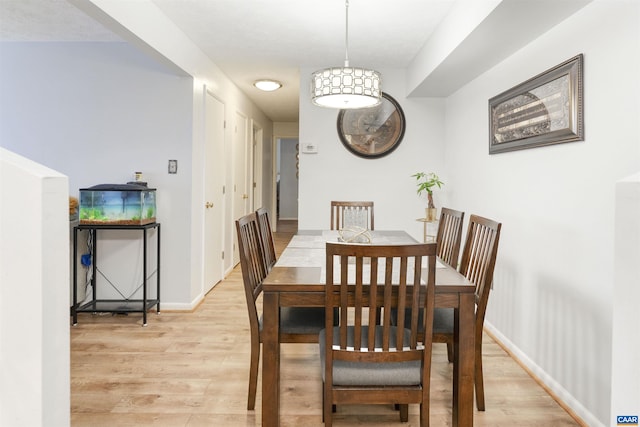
x,y
546,109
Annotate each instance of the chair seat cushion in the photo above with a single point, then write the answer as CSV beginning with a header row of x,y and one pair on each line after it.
x,y
443,321
370,374
300,320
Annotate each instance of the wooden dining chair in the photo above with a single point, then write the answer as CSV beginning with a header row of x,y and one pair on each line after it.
x,y
449,236
349,214
477,264
385,363
297,324
448,244
266,239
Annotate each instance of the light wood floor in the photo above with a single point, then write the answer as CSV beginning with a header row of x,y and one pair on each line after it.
x,y
191,369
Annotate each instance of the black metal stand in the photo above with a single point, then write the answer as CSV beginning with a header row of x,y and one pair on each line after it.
x,y
115,305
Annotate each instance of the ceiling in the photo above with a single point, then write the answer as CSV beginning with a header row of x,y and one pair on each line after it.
x,y
253,39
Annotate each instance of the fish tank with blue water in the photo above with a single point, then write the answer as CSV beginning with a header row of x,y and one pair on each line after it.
x,y
118,204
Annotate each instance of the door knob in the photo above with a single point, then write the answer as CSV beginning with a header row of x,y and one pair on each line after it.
x,y
208,205
244,196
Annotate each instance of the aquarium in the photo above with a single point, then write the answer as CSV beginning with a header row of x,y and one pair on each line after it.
x,y
117,204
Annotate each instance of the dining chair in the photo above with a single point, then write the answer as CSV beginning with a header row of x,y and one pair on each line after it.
x,y
448,245
297,324
384,363
266,239
449,236
349,214
477,265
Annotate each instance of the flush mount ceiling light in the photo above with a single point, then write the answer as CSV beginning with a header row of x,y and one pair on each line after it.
x,y
268,85
346,87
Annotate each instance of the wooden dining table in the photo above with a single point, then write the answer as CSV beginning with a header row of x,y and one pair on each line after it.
x,y
298,280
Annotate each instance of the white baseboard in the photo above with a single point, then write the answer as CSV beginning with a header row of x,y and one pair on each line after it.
x,y
559,393
169,306
176,306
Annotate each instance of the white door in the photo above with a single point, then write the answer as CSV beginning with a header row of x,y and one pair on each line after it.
x,y
241,175
213,188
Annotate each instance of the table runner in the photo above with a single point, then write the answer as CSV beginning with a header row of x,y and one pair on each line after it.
x,y
306,250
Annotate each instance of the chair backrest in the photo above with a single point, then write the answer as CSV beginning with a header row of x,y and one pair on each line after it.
x,y
349,214
449,235
266,238
251,262
479,259
374,277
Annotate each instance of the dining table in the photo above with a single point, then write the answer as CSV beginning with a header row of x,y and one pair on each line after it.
x,y
298,280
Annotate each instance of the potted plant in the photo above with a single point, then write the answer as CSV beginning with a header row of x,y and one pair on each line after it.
x,y
426,182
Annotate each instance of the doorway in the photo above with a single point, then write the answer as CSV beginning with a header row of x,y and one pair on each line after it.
x,y
287,173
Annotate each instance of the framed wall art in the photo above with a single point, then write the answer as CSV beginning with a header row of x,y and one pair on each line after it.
x,y
546,109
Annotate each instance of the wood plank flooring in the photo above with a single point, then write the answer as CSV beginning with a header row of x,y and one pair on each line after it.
x,y
191,369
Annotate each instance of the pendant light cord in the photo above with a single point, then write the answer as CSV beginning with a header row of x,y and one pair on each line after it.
x,y
346,34
346,87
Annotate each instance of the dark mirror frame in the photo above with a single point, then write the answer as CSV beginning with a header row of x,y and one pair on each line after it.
x,y
400,122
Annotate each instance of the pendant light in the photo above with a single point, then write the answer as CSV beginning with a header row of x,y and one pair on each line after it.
x,y
346,87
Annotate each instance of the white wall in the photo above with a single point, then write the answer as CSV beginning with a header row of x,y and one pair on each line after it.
x,y
144,25
34,294
336,174
133,107
552,296
98,112
625,381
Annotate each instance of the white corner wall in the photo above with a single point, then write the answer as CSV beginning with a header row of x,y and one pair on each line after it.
x,y
34,294
625,381
552,300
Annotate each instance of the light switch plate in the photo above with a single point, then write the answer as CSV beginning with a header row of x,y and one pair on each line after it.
x,y
173,166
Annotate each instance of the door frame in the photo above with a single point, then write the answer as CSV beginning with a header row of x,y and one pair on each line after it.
x,y
280,133
257,156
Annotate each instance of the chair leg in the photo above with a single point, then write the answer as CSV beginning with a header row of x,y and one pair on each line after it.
x,y
450,351
404,412
327,408
253,375
479,381
322,391
424,414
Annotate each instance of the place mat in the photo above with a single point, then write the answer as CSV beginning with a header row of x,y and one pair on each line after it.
x,y
307,241
309,251
302,257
